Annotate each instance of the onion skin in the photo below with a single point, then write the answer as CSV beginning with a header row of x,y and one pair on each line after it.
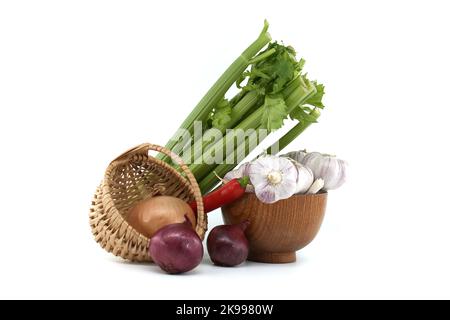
x,y
176,248
150,215
227,244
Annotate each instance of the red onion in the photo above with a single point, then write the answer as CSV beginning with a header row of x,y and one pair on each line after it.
x,y
176,248
227,244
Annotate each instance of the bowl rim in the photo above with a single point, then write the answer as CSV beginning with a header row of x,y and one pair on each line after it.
x,y
321,193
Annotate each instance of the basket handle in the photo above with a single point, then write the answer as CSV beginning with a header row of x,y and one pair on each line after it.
x,y
140,149
146,147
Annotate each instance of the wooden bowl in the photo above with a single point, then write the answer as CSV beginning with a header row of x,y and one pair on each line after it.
x,y
279,229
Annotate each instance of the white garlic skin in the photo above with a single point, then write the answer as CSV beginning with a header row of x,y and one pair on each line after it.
x,y
305,177
273,178
238,173
316,186
296,155
331,169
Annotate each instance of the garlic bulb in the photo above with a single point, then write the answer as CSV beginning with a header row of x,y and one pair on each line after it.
x,y
331,169
238,173
296,155
274,178
305,177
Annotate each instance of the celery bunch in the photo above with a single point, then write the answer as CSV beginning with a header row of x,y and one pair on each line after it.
x,y
272,87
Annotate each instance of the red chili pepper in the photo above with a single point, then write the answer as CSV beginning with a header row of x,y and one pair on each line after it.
x,y
229,192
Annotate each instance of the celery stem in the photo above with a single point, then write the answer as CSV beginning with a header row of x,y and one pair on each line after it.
x,y
221,86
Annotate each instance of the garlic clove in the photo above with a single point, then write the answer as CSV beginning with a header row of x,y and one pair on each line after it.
x,y
305,177
316,186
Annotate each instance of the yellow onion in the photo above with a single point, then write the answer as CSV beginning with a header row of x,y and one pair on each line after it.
x,y
150,215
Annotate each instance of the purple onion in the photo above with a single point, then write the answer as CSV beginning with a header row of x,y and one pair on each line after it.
x,y
227,244
176,248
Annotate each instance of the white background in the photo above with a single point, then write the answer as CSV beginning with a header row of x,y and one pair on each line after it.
x,y
81,81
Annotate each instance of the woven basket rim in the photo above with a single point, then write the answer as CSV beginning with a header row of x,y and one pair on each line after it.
x,y
106,205
106,188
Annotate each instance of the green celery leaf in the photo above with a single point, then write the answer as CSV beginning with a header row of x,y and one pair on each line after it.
x,y
275,111
301,64
316,99
274,71
284,71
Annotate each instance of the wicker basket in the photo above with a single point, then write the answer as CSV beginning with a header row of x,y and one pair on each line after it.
x,y
132,177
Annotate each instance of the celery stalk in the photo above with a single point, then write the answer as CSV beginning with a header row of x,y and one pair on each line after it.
x,y
201,168
221,86
292,134
246,103
211,179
